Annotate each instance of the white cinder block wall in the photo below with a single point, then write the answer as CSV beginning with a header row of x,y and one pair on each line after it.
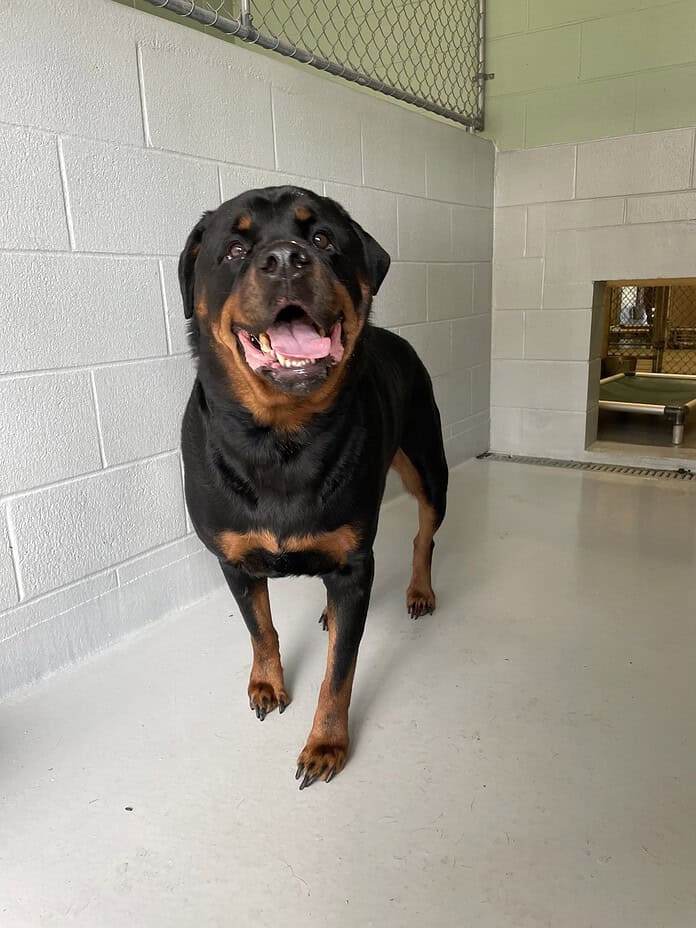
x,y
565,217
116,130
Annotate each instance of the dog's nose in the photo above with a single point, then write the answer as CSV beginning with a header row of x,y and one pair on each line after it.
x,y
284,259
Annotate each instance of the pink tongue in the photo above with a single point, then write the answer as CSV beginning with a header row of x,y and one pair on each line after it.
x,y
298,339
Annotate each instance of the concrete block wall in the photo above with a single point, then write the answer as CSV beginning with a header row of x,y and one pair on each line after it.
x,y
567,216
116,130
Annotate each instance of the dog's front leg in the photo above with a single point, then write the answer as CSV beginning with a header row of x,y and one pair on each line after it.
x,y
348,595
266,683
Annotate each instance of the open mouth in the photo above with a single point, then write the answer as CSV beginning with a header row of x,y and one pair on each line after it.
x,y
292,344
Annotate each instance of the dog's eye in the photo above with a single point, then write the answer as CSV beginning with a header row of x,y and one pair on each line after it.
x,y
322,240
236,250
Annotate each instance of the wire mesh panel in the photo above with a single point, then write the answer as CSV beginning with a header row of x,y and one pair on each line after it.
x,y
428,54
679,356
651,327
631,326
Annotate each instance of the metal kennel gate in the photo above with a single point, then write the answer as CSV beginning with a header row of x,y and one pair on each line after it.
x,y
651,325
428,54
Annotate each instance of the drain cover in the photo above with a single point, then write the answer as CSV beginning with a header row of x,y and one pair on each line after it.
x,y
654,472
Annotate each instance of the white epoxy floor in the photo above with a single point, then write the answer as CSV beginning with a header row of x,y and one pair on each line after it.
x,y
526,757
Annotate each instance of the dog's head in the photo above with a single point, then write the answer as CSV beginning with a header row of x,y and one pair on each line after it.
x,y
280,282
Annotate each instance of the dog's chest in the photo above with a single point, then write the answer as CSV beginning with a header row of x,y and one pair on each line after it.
x,y
265,553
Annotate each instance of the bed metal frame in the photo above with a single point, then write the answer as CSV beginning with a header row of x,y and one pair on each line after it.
x,y
674,414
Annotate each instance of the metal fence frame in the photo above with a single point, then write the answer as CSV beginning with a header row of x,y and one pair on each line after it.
x,y
244,29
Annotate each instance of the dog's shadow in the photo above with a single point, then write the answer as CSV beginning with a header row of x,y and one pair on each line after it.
x,y
302,645
394,650
299,653
310,641
399,645
396,647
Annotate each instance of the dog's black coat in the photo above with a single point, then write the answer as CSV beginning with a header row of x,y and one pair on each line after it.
x,y
247,477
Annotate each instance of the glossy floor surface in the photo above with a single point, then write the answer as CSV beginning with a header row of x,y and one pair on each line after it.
x,y
524,757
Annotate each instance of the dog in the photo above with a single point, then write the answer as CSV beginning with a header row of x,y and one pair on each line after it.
x,y
299,408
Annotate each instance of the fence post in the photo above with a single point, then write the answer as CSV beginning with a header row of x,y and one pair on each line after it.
x,y
245,14
481,76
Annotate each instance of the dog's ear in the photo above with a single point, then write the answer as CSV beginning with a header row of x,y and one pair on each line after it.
x,y
377,260
187,262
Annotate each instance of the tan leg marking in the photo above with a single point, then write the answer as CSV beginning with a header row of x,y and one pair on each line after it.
x,y
420,598
266,683
326,750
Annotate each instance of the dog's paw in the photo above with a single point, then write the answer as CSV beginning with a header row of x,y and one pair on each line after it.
x,y
263,698
420,601
320,761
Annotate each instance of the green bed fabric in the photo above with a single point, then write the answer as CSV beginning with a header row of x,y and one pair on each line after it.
x,y
656,390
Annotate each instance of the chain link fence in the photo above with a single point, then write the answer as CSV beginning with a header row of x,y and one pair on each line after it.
x,y
429,54
652,328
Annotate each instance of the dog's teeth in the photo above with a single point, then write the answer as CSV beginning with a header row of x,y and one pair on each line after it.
x,y
322,331
286,362
265,343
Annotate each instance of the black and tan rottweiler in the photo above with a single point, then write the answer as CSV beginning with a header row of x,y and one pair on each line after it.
x,y
299,409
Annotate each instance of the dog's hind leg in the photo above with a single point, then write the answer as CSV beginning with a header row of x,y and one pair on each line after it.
x,y
420,596
421,464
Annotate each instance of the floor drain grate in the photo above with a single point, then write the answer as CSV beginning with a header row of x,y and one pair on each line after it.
x,y
657,473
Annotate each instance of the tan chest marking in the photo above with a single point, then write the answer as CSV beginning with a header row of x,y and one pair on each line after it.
x,y
336,545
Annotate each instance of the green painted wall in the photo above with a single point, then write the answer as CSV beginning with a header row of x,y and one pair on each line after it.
x,y
565,70
568,70
386,39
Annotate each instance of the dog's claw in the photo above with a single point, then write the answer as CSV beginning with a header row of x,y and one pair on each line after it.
x,y
320,762
313,777
420,603
309,779
264,698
